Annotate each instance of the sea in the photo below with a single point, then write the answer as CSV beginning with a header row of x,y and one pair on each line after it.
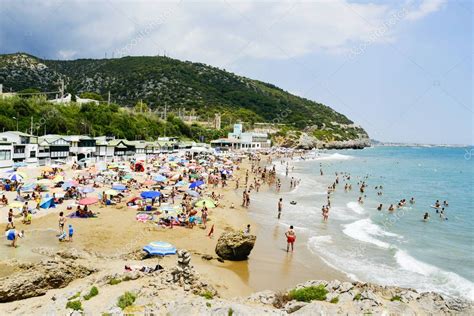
x,y
389,248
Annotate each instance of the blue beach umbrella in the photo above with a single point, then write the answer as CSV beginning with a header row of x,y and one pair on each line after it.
x,y
119,187
19,164
159,178
196,184
150,194
160,248
181,184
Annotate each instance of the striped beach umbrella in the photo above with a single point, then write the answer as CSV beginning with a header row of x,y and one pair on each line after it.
x,y
160,248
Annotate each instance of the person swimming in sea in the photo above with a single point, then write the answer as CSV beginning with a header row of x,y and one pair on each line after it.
x,y
412,200
391,208
426,217
379,208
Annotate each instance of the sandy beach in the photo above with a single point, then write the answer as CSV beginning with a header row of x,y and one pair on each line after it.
x,y
116,232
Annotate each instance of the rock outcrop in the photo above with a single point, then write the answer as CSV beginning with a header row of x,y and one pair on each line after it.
x,y
36,279
235,246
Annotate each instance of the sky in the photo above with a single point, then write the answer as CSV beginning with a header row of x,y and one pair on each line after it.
x,y
401,69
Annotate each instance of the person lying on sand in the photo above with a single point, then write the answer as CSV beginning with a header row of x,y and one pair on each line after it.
x,y
143,268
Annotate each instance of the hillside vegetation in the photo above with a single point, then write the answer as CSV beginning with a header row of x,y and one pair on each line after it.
x,y
160,81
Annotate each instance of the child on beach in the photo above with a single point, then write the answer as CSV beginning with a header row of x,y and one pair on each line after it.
x,y
71,232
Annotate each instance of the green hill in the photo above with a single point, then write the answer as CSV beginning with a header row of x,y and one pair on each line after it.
x,y
160,81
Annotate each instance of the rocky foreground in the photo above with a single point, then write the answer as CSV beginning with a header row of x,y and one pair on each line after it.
x,y
74,283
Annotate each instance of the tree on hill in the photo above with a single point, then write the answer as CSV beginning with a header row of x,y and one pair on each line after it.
x,y
91,95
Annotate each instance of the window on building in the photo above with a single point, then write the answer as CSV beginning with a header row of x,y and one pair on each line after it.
x,y
19,150
5,155
32,154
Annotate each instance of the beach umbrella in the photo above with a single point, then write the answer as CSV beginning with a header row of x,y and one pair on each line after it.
x,y
88,201
128,176
86,189
180,184
150,194
196,184
58,178
47,169
16,176
15,204
192,193
159,178
149,182
119,187
112,166
160,248
209,203
29,187
111,192
66,185
19,164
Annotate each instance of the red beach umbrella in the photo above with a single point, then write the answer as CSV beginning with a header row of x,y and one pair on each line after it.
x,y
88,201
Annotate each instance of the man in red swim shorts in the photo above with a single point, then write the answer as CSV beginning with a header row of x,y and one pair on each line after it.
x,y
290,238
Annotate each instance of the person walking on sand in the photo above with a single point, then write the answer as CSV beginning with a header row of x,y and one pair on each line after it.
x,y
290,238
280,207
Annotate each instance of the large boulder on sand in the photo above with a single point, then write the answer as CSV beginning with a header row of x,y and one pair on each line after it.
x,y
235,246
36,279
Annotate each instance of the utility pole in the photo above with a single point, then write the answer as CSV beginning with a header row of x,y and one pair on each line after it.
x,y
108,98
164,132
31,126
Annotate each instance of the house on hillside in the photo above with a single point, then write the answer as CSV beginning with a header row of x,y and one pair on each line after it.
x,y
240,140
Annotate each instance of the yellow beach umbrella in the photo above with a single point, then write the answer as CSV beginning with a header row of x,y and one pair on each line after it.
x,y
209,203
58,178
111,192
47,169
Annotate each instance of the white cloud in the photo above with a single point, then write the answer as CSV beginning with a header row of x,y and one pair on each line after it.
x,y
215,33
66,53
425,8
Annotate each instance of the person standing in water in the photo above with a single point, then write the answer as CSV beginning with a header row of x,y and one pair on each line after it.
x,y
290,238
280,207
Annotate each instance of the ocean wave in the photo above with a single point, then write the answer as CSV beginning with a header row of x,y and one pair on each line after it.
x,y
440,280
365,230
334,156
356,207
326,239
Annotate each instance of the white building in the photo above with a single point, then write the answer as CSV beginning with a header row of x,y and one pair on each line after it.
x,y
81,146
240,140
52,147
6,152
25,146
